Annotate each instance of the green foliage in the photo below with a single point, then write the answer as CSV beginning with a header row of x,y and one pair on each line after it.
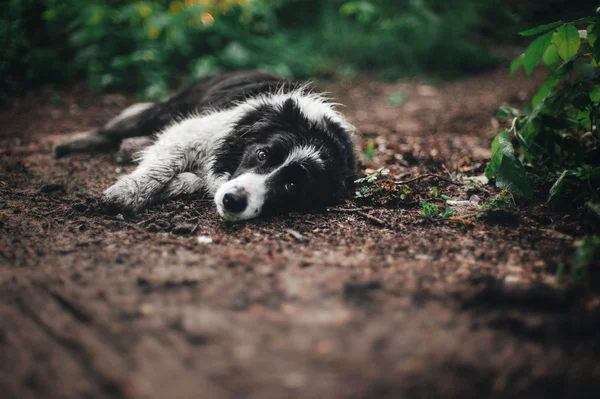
x,y
369,181
149,46
34,44
558,136
372,178
501,202
506,167
429,210
145,44
448,212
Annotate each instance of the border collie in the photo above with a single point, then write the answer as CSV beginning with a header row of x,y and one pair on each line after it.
x,y
256,143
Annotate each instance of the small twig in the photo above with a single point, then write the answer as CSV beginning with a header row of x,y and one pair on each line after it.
x,y
371,218
350,210
426,175
447,171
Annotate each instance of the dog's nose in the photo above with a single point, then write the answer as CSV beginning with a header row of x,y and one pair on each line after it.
x,y
235,202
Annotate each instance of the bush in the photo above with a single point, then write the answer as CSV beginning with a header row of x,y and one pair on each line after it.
x,y
147,46
34,44
557,138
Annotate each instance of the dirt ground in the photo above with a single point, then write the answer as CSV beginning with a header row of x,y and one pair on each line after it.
x,y
367,300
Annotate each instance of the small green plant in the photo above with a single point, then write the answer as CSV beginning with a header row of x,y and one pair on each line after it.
x,y
558,137
368,181
503,201
448,212
429,210
370,152
372,177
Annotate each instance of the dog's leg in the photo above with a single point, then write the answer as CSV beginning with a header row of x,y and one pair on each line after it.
x,y
160,174
187,146
130,147
107,138
89,142
183,184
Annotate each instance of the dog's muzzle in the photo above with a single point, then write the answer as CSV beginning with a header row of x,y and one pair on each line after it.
x,y
241,198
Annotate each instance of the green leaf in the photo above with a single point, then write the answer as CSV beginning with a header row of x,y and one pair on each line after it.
x,y
448,212
429,210
492,168
516,64
583,119
567,41
595,93
542,93
591,35
546,89
513,177
506,112
541,29
505,146
551,57
536,50
510,173
586,20
557,187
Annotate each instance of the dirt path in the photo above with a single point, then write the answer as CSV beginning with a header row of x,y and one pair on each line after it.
x,y
379,304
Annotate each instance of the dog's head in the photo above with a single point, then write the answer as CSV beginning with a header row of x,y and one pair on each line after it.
x,y
287,153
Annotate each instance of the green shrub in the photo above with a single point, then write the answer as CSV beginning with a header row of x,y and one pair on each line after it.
x,y
557,139
150,46
34,45
558,136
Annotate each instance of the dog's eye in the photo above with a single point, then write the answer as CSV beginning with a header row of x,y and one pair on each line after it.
x,y
291,187
261,155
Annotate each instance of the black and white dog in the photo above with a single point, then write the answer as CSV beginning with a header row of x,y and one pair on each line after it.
x,y
256,143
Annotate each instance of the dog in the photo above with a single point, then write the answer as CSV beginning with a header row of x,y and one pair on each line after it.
x,y
256,143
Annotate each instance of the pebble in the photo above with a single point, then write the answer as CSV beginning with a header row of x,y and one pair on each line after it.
x,y
204,240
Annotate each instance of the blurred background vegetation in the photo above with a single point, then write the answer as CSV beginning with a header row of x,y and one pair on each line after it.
x,y
151,46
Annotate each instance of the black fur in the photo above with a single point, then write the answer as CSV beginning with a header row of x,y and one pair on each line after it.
x,y
280,130
278,127
210,94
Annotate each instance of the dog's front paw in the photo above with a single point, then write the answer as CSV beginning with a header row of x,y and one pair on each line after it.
x,y
124,196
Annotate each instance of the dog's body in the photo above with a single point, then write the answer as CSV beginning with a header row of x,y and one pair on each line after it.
x,y
256,143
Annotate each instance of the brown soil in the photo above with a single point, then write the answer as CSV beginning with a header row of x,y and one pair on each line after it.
x,y
370,303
